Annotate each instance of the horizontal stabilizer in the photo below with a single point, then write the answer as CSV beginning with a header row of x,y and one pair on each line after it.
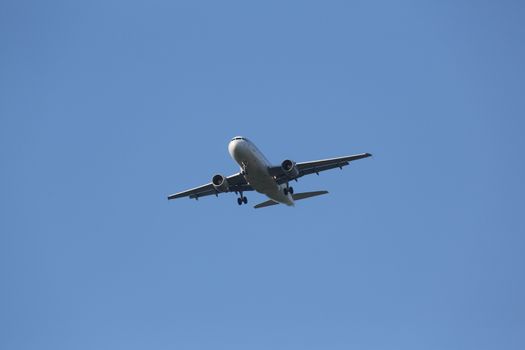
x,y
304,195
266,204
296,197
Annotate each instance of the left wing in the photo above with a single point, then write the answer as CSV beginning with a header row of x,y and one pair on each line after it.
x,y
236,182
316,166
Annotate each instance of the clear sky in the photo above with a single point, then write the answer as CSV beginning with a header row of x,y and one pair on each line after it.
x,y
106,107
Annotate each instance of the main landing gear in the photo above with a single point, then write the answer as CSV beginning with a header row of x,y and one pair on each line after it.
x,y
242,199
287,190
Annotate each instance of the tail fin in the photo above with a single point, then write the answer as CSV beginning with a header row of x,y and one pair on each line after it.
x,y
296,197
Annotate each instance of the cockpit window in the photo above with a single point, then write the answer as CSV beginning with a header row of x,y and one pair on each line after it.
x,y
239,138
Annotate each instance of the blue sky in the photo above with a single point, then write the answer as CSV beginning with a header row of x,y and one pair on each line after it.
x,y
106,107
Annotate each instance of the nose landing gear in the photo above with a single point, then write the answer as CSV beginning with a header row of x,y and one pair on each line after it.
x,y
244,168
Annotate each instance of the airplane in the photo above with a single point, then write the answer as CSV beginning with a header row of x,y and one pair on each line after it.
x,y
258,174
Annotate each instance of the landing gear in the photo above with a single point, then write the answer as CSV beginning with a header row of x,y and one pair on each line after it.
x,y
288,190
242,199
244,168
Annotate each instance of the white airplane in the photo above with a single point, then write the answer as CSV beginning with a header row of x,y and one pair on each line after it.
x,y
258,174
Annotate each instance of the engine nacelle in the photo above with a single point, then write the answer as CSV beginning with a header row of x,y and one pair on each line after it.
x,y
220,183
290,169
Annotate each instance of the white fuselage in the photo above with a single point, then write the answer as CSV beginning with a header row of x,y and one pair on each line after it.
x,y
254,167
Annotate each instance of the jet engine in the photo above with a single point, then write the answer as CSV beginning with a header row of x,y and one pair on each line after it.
x,y
220,183
290,169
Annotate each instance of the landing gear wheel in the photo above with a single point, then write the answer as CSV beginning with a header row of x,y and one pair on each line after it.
x,y
245,200
239,201
290,190
285,191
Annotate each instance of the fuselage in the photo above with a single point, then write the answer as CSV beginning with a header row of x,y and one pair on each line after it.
x,y
254,167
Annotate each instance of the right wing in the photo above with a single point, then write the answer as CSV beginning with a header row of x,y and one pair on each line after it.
x,y
315,167
236,182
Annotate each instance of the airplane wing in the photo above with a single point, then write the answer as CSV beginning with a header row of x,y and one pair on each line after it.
x,y
236,182
316,166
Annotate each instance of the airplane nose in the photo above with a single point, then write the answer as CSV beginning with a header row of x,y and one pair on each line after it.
x,y
233,148
236,149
